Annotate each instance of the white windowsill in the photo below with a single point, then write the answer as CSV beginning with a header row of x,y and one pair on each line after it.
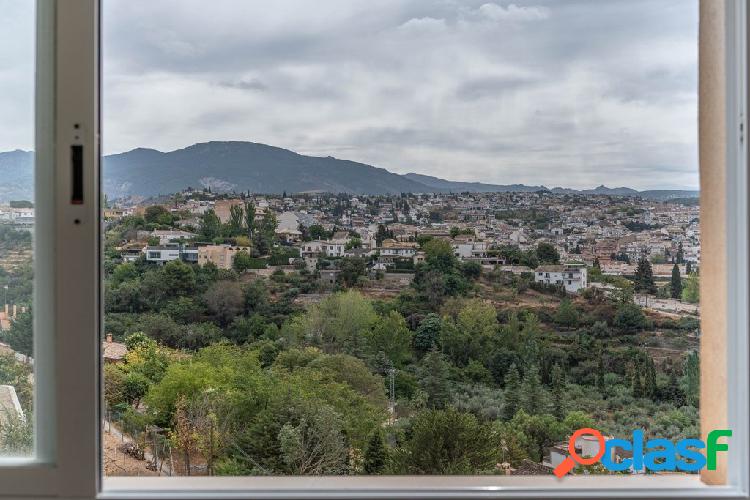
x,y
649,486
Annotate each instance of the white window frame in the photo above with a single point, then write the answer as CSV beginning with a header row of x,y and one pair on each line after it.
x,y
66,253
68,310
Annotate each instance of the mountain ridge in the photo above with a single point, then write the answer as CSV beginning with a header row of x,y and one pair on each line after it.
x,y
240,166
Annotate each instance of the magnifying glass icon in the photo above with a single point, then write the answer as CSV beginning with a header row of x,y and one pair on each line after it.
x,y
570,462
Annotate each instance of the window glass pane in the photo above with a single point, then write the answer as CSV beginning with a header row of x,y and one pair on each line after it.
x,y
355,237
17,31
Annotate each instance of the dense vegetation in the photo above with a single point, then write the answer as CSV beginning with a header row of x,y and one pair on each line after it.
x,y
241,376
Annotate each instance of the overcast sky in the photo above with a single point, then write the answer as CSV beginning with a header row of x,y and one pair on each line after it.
x,y
556,92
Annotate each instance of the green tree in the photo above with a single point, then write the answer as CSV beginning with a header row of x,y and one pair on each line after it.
x,y
313,443
225,300
210,226
435,373
351,270
235,225
692,378
691,291
644,277
376,453
566,314
557,378
428,333
20,337
242,261
629,318
155,214
547,253
341,322
179,278
512,392
675,285
535,399
392,337
447,442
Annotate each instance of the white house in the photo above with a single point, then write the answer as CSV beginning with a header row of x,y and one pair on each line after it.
x,y
162,254
572,277
319,247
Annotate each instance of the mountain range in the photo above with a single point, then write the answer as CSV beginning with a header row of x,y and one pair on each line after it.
x,y
259,168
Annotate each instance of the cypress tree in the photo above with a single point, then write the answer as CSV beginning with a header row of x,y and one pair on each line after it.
x,y
676,283
558,392
534,400
376,453
512,392
644,277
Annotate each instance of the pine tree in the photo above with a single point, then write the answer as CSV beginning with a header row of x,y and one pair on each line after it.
x,y
558,391
512,392
644,277
534,397
688,267
435,374
376,453
676,283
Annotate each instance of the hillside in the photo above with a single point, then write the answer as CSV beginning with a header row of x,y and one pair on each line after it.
x,y
259,168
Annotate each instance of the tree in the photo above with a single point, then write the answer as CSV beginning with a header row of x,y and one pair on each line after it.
x,y
535,400
512,392
242,261
680,254
558,392
20,337
314,443
351,270
547,253
692,378
179,278
155,214
210,226
427,334
629,318
235,225
376,453
675,284
249,219
644,277
435,372
183,434
340,323
392,337
691,291
439,255
317,232
445,442
225,300
566,315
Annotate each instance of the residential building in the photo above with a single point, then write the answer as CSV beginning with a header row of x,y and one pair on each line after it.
x,y
573,277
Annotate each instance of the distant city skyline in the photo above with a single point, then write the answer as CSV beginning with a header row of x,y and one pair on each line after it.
x,y
573,93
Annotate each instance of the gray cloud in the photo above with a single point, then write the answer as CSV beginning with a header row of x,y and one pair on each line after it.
x,y
554,92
